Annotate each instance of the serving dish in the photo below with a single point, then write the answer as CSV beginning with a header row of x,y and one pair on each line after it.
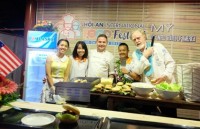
x,y
165,94
142,89
38,119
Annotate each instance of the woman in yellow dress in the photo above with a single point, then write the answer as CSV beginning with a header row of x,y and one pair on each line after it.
x,y
57,70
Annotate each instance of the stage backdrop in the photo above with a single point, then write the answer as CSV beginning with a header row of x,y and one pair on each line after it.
x,y
175,24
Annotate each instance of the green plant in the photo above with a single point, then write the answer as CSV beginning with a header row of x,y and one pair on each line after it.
x,y
119,75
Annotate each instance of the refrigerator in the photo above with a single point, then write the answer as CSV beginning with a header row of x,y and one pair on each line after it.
x,y
40,44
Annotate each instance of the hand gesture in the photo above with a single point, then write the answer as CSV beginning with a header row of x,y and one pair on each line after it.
x,y
52,89
124,70
158,80
148,52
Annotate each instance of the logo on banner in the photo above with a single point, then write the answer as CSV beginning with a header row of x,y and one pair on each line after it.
x,y
42,39
69,27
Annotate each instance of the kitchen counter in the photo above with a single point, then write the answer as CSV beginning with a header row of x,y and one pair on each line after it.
x,y
174,103
106,113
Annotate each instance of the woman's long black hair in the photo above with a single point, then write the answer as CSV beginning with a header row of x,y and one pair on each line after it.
x,y
75,54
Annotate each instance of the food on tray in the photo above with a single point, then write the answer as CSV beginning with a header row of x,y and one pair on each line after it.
x,y
128,84
116,89
106,81
122,89
98,88
127,90
108,89
70,115
108,86
120,84
80,80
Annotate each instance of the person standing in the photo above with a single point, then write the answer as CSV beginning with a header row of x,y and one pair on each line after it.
x,y
124,66
101,61
79,60
101,64
57,70
161,64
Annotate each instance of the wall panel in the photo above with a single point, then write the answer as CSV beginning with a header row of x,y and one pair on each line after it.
x,y
121,17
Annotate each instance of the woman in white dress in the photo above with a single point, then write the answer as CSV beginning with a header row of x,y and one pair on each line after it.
x,y
79,60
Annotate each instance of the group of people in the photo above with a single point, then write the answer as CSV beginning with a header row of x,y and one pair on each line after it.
x,y
83,63
152,64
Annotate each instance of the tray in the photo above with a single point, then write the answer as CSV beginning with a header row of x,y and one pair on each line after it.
x,y
117,123
76,92
79,92
11,119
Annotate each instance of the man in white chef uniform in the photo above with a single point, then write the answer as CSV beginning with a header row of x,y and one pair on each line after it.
x,y
161,64
101,61
101,64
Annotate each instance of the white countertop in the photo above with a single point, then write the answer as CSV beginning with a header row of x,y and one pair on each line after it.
x,y
107,113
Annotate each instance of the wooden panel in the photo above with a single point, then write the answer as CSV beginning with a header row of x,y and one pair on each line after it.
x,y
183,15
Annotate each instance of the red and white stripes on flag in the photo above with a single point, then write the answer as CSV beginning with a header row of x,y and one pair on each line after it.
x,y
8,60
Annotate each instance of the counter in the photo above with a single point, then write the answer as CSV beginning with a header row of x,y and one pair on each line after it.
x,y
106,113
176,103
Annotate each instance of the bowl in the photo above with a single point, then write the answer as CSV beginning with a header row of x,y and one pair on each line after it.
x,y
142,89
165,94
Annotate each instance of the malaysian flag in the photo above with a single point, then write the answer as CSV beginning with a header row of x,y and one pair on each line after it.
x,y
8,60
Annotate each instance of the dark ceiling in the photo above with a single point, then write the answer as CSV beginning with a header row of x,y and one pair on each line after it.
x,y
12,16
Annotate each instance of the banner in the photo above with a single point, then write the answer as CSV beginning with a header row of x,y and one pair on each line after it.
x,y
42,39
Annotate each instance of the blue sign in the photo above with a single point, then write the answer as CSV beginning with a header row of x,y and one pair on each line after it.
x,y
111,43
42,39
